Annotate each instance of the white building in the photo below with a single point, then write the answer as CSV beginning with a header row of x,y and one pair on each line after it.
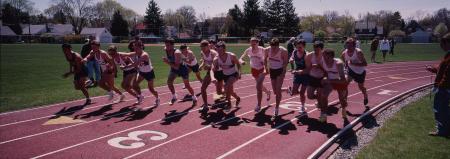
x,y
34,29
61,29
101,34
6,31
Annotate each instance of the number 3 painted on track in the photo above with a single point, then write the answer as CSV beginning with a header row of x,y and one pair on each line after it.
x,y
134,136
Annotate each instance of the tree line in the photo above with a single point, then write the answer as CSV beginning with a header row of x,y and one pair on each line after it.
x,y
278,17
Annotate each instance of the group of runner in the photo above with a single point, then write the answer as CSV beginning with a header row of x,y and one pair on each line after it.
x,y
316,73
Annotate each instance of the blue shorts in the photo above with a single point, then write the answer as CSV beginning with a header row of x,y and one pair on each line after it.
x,y
181,72
301,79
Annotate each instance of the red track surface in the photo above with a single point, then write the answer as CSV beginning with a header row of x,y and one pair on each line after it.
x,y
180,131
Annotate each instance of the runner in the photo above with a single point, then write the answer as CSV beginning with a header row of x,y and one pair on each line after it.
x,y
217,73
191,61
316,74
208,56
356,67
79,71
300,75
177,68
276,60
129,71
107,68
256,55
334,80
231,68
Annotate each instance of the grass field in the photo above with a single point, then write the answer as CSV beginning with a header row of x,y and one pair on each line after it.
x,y
406,135
31,73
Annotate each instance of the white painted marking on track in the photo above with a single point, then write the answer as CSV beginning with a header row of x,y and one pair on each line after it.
x,y
24,121
386,92
192,132
134,136
152,122
268,132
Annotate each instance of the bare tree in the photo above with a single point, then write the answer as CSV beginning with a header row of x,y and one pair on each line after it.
x,y
78,11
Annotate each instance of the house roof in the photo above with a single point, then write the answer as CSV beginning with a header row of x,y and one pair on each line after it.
x,y
61,29
34,29
5,30
94,31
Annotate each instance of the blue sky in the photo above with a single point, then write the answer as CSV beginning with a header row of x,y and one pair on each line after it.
x,y
408,8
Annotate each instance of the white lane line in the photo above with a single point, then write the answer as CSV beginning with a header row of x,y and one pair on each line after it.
x,y
268,132
126,130
192,132
121,131
253,126
68,102
260,136
62,128
91,107
24,121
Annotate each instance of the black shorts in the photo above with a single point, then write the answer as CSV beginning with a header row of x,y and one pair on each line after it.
x,y
126,73
218,75
359,78
149,76
227,77
301,79
181,72
315,82
274,73
194,68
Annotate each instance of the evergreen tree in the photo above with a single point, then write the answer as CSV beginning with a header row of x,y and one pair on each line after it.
x,y
153,18
251,16
290,19
119,26
12,17
275,15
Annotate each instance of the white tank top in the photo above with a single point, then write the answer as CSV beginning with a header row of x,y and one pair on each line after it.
x,y
256,58
275,61
186,58
228,67
354,59
102,62
315,71
332,72
121,62
208,59
145,66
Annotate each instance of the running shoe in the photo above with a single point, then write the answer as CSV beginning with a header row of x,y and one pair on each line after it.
x,y
194,101
204,108
257,109
366,101
237,102
323,117
88,101
290,90
88,83
275,114
157,102
110,95
302,110
173,100
139,99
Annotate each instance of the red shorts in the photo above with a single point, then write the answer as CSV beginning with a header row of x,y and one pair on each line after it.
x,y
256,73
340,86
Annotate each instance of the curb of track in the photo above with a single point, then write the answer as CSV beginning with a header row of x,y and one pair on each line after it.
x,y
382,106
